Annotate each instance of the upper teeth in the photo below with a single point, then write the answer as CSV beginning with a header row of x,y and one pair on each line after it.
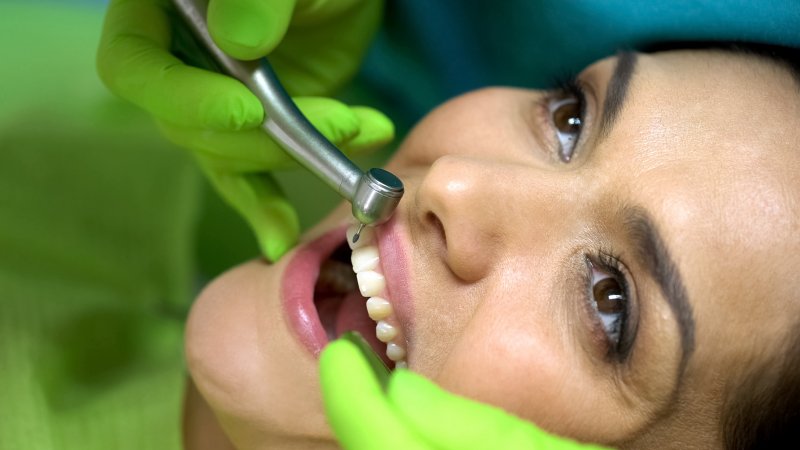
x,y
365,258
367,237
385,331
372,284
378,308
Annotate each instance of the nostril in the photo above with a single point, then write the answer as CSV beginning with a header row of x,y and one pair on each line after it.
x,y
433,221
464,255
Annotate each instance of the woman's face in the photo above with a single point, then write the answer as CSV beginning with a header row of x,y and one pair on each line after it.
x,y
605,264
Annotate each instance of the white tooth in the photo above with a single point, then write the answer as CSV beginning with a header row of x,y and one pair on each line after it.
x,y
385,331
378,308
401,365
365,258
395,352
367,236
370,283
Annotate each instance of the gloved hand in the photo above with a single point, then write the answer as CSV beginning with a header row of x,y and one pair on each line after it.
x,y
313,45
411,412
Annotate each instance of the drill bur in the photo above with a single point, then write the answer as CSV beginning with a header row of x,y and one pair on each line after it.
x,y
358,232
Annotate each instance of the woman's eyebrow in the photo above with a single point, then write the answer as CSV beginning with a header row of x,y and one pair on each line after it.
x,y
617,90
654,256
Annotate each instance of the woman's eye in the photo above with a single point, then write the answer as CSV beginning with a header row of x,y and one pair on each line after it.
x,y
610,302
567,112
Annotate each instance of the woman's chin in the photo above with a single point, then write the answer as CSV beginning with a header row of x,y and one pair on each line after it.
x,y
261,383
253,356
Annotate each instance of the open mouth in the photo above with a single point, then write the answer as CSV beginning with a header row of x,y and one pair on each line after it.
x,y
339,303
328,291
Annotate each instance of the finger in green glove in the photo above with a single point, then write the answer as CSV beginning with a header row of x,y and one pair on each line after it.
x,y
355,130
315,46
238,164
412,412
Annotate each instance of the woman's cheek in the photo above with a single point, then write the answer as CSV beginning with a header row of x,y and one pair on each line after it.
x,y
221,344
261,383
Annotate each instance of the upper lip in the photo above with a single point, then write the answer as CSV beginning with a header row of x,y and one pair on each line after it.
x,y
300,275
394,264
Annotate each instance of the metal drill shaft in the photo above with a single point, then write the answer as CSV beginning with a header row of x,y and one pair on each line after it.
x,y
374,195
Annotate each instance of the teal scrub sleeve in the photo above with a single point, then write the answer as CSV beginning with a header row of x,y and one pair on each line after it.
x,y
428,52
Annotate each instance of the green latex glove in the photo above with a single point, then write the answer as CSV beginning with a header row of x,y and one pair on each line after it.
x,y
314,46
411,412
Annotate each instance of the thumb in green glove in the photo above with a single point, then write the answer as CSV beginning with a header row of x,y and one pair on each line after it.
x,y
217,118
411,412
238,164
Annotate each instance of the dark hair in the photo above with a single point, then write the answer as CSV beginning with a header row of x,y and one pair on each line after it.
x,y
763,409
787,57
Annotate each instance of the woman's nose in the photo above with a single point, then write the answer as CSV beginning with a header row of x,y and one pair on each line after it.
x,y
474,210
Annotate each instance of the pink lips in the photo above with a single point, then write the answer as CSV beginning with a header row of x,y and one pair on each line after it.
x,y
395,267
301,274
298,289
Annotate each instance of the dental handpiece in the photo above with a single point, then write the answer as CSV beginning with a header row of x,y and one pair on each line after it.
x,y
374,194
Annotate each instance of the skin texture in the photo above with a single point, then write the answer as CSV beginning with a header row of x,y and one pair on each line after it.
x,y
496,231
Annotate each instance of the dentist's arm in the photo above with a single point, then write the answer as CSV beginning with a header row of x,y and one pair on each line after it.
x,y
368,408
315,46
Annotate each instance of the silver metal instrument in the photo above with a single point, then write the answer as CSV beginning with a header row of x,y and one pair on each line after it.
x,y
374,194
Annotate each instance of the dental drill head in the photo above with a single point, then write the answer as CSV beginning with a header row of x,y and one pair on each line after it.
x,y
374,194
375,199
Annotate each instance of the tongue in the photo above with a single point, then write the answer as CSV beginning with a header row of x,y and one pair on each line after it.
x,y
353,317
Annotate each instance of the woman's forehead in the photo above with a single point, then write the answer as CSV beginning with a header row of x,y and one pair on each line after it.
x,y
713,152
695,123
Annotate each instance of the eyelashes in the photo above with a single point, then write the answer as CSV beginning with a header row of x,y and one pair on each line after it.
x,y
611,304
568,85
567,108
607,293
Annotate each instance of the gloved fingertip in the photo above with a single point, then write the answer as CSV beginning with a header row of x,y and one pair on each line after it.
x,y
375,131
335,351
340,357
247,29
335,120
283,233
274,250
375,120
407,385
278,243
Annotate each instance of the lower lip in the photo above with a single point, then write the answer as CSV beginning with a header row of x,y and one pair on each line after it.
x,y
298,289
